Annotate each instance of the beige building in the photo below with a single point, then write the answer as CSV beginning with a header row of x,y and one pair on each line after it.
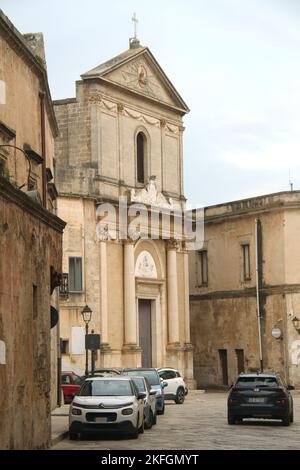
x,y
122,137
249,265
30,243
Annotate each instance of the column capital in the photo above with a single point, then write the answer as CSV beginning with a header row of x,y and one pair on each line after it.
x,y
120,108
172,244
128,242
163,123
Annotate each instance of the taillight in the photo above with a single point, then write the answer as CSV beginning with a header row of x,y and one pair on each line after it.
x,y
232,402
236,389
276,389
281,402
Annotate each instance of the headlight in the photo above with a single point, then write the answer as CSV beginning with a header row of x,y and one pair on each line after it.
x,y
127,411
75,411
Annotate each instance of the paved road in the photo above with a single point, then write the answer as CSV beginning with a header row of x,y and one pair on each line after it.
x,y
200,423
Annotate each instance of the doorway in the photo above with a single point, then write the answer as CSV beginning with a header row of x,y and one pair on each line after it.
x,y
224,365
240,360
145,331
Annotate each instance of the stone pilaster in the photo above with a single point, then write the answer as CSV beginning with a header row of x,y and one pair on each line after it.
x,y
103,296
130,313
172,283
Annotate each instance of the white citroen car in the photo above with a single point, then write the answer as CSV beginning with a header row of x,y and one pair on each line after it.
x,y
109,404
177,388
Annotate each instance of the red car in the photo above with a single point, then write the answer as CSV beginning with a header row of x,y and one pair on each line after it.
x,y
70,384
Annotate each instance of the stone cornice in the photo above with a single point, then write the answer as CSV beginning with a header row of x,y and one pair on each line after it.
x,y
15,196
19,44
247,292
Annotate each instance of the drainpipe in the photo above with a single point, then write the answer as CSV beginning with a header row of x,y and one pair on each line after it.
x,y
258,283
43,141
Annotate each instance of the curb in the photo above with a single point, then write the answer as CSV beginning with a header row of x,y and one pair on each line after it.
x,y
60,437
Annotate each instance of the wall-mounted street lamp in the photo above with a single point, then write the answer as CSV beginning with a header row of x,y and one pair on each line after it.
x,y
87,316
296,323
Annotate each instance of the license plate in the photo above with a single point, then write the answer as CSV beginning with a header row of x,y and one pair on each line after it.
x,y
101,420
256,400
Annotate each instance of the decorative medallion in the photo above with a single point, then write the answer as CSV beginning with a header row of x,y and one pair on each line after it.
x,y
145,266
136,75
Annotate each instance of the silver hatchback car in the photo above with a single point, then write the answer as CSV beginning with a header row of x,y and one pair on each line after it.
x,y
107,404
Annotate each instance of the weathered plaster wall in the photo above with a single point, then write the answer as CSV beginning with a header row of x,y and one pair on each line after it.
x,y
29,246
223,313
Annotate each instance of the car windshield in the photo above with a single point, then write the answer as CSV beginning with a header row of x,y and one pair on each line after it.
x,y
151,375
257,382
139,382
106,388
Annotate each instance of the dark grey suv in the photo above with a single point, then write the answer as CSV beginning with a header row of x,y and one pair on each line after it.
x,y
260,396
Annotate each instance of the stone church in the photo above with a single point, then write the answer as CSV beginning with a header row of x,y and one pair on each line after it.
x,y
122,136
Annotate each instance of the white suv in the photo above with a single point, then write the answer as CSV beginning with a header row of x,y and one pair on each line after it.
x,y
109,404
177,388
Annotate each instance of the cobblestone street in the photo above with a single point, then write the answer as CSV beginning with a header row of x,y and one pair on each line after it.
x,y
201,423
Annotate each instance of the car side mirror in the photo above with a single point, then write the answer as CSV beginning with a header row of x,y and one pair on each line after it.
x,y
164,384
290,387
141,395
152,391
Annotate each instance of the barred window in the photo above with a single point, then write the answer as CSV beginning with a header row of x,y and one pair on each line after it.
x,y
246,262
202,268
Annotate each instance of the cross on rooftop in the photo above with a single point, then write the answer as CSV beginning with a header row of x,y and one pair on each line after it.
x,y
135,22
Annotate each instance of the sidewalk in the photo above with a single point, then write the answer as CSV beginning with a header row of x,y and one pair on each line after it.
x,y
59,424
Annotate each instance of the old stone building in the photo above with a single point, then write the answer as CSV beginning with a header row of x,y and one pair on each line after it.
x,y
244,284
30,242
122,137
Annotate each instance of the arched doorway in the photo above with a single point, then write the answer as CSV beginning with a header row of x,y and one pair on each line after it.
x,y
145,269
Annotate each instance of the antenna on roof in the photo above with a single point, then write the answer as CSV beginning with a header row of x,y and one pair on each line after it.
x,y
290,181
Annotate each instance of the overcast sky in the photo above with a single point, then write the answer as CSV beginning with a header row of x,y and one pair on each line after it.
x,y
235,62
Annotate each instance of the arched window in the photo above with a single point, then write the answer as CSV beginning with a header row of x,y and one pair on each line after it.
x,y
141,157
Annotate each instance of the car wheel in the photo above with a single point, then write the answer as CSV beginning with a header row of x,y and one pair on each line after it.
x,y
292,416
154,419
161,412
231,419
73,436
180,396
149,423
286,421
135,434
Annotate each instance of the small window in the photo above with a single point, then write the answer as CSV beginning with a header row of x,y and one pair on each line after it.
x,y
167,374
177,374
75,274
163,374
240,360
34,302
65,380
246,262
202,268
140,156
65,346
77,380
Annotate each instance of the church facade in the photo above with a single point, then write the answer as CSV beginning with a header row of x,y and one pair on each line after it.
x,y
121,139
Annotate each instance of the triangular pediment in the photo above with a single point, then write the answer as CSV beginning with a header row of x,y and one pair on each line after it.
x,y
138,71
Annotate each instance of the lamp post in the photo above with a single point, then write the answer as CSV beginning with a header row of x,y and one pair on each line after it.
x,y
87,316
